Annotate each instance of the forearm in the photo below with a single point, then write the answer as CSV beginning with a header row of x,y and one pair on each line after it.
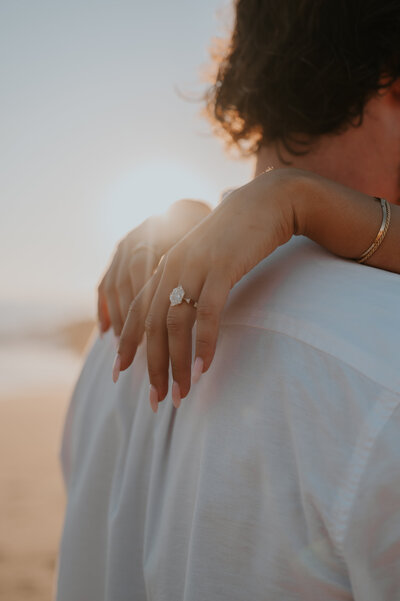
x,y
344,221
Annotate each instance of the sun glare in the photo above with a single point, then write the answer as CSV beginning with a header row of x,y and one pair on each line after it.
x,y
148,189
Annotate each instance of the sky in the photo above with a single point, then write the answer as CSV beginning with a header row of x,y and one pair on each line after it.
x,y
95,135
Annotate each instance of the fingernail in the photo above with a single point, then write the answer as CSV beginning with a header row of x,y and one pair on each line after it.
x,y
153,398
197,369
176,394
116,368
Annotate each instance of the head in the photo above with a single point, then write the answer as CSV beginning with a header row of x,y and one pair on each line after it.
x,y
315,84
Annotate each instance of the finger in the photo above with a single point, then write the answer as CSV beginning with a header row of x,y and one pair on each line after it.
x,y
102,310
113,309
209,308
133,273
109,293
141,268
180,320
156,328
125,298
123,287
134,327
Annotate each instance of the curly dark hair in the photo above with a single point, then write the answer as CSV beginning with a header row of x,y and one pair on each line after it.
x,y
296,69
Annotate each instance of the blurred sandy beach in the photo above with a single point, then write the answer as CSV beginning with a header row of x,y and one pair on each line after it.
x,y
39,364
99,130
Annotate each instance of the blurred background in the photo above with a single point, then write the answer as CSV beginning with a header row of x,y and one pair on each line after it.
x,y
95,136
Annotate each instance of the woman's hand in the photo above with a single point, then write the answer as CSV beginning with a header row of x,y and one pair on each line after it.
x,y
136,257
246,227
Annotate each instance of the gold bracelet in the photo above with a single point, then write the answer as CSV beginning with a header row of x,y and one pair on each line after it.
x,y
382,231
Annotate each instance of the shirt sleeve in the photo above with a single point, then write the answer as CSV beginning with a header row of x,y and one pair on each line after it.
x,y
372,542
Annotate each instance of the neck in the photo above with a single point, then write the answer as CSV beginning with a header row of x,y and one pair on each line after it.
x,y
365,158
329,158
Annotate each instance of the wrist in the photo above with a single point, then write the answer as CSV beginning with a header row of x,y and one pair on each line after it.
x,y
301,197
295,192
325,210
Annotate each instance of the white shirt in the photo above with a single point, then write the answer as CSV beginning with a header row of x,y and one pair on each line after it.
x,y
278,477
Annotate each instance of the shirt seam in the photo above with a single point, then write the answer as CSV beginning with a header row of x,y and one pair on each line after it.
x,y
277,330
373,426
387,402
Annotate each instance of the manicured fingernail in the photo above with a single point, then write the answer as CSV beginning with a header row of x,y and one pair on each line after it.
x,y
176,394
197,369
116,368
153,398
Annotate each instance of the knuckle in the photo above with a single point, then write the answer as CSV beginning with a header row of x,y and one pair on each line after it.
x,y
155,374
120,245
207,312
174,323
140,266
151,325
203,344
133,309
130,237
134,259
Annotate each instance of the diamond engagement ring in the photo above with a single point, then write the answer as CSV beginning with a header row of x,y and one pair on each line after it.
x,y
178,295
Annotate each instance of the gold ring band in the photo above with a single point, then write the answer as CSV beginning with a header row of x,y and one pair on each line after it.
x,y
177,296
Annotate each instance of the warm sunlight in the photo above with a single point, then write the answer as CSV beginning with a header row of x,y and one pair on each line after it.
x,y
199,399
95,139
147,189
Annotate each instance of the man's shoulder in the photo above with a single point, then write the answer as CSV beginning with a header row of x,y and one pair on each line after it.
x,y
338,306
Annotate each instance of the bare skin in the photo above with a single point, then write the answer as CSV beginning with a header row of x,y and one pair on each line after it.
x,y
209,259
137,256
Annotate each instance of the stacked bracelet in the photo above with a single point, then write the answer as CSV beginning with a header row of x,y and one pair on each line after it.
x,y
381,234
